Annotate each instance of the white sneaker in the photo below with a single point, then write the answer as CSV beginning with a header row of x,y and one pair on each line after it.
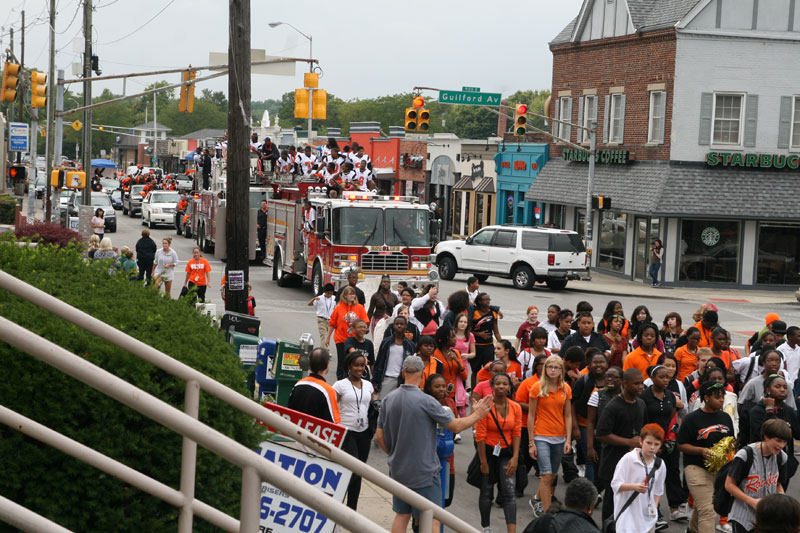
x,y
726,528
678,514
457,438
582,470
487,530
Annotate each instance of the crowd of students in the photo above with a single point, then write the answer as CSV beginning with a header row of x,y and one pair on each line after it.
x,y
622,402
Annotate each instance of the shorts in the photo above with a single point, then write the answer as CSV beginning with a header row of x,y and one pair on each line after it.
x,y
165,275
548,456
431,492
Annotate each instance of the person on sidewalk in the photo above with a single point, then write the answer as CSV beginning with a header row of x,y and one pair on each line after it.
x,y
145,256
656,258
585,336
407,433
575,516
198,272
324,305
312,395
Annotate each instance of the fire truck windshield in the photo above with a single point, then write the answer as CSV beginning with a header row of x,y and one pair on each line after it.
x,y
256,197
356,226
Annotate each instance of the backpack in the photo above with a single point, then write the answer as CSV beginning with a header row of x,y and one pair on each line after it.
x,y
723,500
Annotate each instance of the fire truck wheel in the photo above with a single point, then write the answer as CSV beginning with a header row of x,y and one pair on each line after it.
x,y
276,273
447,268
187,232
317,279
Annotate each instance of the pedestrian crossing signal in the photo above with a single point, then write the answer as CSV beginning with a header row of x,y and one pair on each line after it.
x,y
412,116
601,202
520,120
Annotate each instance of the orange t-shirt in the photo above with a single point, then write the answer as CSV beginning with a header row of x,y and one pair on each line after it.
x,y
524,394
486,430
549,417
198,271
514,370
687,362
728,357
342,319
639,360
449,370
705,336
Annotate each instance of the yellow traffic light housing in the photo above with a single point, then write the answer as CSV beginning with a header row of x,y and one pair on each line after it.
x,y
38,89
311,80
8,89
423,121
186,102
520,120
301,103
412,116
319,105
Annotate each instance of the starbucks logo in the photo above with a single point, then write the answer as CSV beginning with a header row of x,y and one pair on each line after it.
x,y
710,236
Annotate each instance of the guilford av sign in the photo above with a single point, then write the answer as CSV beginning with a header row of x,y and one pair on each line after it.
x,y
760,161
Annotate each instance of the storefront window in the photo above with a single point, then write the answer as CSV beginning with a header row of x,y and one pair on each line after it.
x,y
478,211
509,207
709,251
613,227
555,215
580,215
778,254
457,213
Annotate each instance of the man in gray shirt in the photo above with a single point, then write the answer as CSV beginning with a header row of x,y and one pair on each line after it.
x,y
407,432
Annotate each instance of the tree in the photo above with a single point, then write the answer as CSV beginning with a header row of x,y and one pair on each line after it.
x,y
535,100
217,98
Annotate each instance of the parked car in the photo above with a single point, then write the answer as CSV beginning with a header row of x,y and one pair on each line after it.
x,y
98,199
132,201
110,184
523,254
159,207
116,198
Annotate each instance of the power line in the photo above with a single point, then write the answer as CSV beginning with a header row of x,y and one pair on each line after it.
x,y
140,27
74,16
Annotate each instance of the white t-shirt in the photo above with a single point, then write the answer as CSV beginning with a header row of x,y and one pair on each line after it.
x,y
283,166
329,177
553,343
308,219
306,163
98,221
325,306
791,357
472,295
338,160
357,160
347,177
394,364
353,403
631,469
547,326
362,179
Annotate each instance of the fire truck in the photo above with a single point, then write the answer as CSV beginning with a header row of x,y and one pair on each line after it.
x,y
361,230
209,212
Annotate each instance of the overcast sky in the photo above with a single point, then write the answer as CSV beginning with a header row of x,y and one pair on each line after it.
x,y
365,48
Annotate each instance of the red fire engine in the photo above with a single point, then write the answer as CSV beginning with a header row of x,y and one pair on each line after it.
x,y
375,234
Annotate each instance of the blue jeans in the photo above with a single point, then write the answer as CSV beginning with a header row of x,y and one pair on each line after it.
x,y
582,445
654,268
548,456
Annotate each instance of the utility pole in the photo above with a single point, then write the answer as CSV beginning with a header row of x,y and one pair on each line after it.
x,y
11,105
587,221
21,70
87,98
237,217
51,87
155,130
58,138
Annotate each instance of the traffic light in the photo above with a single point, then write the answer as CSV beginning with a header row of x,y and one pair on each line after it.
x,y
8,89
418,102
520,120
186,102
38,89
423,124
412,116
319,105
311,80
301,103
17,172
601,202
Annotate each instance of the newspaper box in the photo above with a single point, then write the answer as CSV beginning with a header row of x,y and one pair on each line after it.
x,y
286,369
265,383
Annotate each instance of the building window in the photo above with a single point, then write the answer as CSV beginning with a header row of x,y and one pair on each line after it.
x,y
778,254
555,215
617,117
796,123
613,228
457,216
566,116
658,107
589,117
709,251
478,212
727,121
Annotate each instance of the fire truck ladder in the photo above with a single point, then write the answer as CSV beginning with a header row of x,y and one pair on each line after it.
x,y
255,468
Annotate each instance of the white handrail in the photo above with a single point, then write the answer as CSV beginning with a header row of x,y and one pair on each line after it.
x,y
233,398
25,519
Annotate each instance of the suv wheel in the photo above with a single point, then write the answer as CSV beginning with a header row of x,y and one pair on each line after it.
x,y
447,268
556,284
522,277
481,277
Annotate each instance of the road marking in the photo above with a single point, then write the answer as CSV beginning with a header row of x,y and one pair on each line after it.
x,y
729,300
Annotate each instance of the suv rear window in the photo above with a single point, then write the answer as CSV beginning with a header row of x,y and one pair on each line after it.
x,y
532,240
566,242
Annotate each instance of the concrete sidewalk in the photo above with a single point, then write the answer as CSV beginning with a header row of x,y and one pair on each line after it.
x,y
605,284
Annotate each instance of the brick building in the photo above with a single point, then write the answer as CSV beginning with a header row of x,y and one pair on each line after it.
x,y
692,100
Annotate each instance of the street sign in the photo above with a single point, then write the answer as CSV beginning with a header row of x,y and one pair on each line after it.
x,y
327,431
275,69
18,133
77,125
236,280
471,89
281,513
469,98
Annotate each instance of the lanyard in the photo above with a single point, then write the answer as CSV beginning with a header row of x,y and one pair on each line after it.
x,y
497,414
647,475
358,400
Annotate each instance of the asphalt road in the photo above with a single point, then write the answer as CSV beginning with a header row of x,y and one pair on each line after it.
x,y
284,313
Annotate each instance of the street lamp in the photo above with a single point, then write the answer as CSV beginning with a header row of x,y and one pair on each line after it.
x,y
310,67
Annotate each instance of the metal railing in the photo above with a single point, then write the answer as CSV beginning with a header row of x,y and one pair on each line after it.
x,y
255,468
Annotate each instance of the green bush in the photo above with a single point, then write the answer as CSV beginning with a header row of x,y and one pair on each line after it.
x,y
7,204
64,489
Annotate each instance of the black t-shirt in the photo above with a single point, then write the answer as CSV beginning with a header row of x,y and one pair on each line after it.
x,y
359,295
366,346
624,420
658,411
703,430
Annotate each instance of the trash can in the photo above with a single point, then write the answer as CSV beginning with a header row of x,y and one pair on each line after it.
x,y
19,188
266,386
286,370
246,347
241,323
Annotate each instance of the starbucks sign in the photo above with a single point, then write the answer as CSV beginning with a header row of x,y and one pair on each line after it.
x,y
710,236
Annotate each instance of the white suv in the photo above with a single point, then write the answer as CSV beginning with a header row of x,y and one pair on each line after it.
x,y
526,255
159,207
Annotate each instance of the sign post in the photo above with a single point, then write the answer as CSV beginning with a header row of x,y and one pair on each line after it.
x,y
18,133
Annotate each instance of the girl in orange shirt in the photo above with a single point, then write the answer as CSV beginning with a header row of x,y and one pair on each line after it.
x,y
497,437
341,325
550,423
504,351
436,386
646,354
451,364
687,354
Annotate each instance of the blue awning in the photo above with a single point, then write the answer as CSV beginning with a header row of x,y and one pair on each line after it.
x,y
103,163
